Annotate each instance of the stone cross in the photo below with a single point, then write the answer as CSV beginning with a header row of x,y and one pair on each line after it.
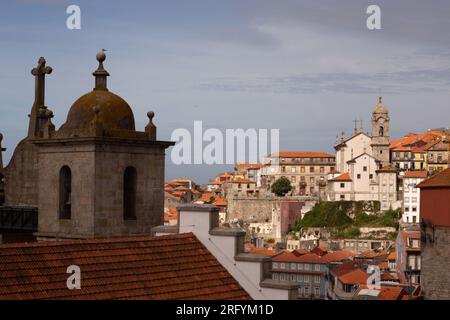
x,y
36,122
39,73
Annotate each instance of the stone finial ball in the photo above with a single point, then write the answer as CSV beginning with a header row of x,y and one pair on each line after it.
x,y
101,56
150,114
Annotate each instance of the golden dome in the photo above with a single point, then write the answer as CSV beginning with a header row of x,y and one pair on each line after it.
x,y
114,112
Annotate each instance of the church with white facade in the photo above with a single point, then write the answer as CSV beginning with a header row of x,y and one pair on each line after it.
x,y
363,170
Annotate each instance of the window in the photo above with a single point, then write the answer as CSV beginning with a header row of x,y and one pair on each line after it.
x,y
293,266
311,180
302,169
317,291
282,266
381,132
342,197
358,176
306,291
364,168
65,193
300,266
342,185
293,179
293,277
412,262
293,169
316,279
317,267
275,265
414,209
129,193
299,278
311,169
370,176
322,169
406,209
275,276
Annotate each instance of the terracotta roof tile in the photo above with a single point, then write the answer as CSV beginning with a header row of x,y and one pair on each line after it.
x,y
416,174
166,267
343,177
384,293
308,154
439,180
356,276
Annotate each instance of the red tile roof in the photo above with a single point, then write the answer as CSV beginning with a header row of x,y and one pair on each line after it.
x,y
167,267
387,276
356,276
312,257
319,251
220,202
343,177
299,252
412,138
372,253
308,154
239,180
439,180
215,182
264,252
338,256
416,174
384,293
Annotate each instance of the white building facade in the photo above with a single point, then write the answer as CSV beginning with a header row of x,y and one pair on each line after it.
x,y
362,163
411,196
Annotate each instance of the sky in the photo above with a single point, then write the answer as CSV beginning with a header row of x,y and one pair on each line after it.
x,y
307,68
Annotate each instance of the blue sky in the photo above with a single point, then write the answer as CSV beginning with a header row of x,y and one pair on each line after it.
x,y
306,67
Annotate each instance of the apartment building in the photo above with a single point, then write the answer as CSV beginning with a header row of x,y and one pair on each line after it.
x,y
411,196
307,171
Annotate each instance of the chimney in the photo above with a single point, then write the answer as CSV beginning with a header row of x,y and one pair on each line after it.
x,y
198,218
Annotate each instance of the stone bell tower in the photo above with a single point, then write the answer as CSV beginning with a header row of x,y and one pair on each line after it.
x,y
98,175
21,178
380,133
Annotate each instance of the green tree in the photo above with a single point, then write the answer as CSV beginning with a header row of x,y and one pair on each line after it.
x,y
281,186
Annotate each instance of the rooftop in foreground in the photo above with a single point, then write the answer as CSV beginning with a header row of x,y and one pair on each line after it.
x,y
158,268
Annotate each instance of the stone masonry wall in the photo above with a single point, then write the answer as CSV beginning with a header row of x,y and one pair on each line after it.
x,y
435,273
21,188
254,209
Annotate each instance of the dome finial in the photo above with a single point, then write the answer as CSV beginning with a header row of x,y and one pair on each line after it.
x,y
379,99
100,74
150,129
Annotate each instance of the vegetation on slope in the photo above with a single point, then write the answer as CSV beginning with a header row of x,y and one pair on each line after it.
x,y
338,215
